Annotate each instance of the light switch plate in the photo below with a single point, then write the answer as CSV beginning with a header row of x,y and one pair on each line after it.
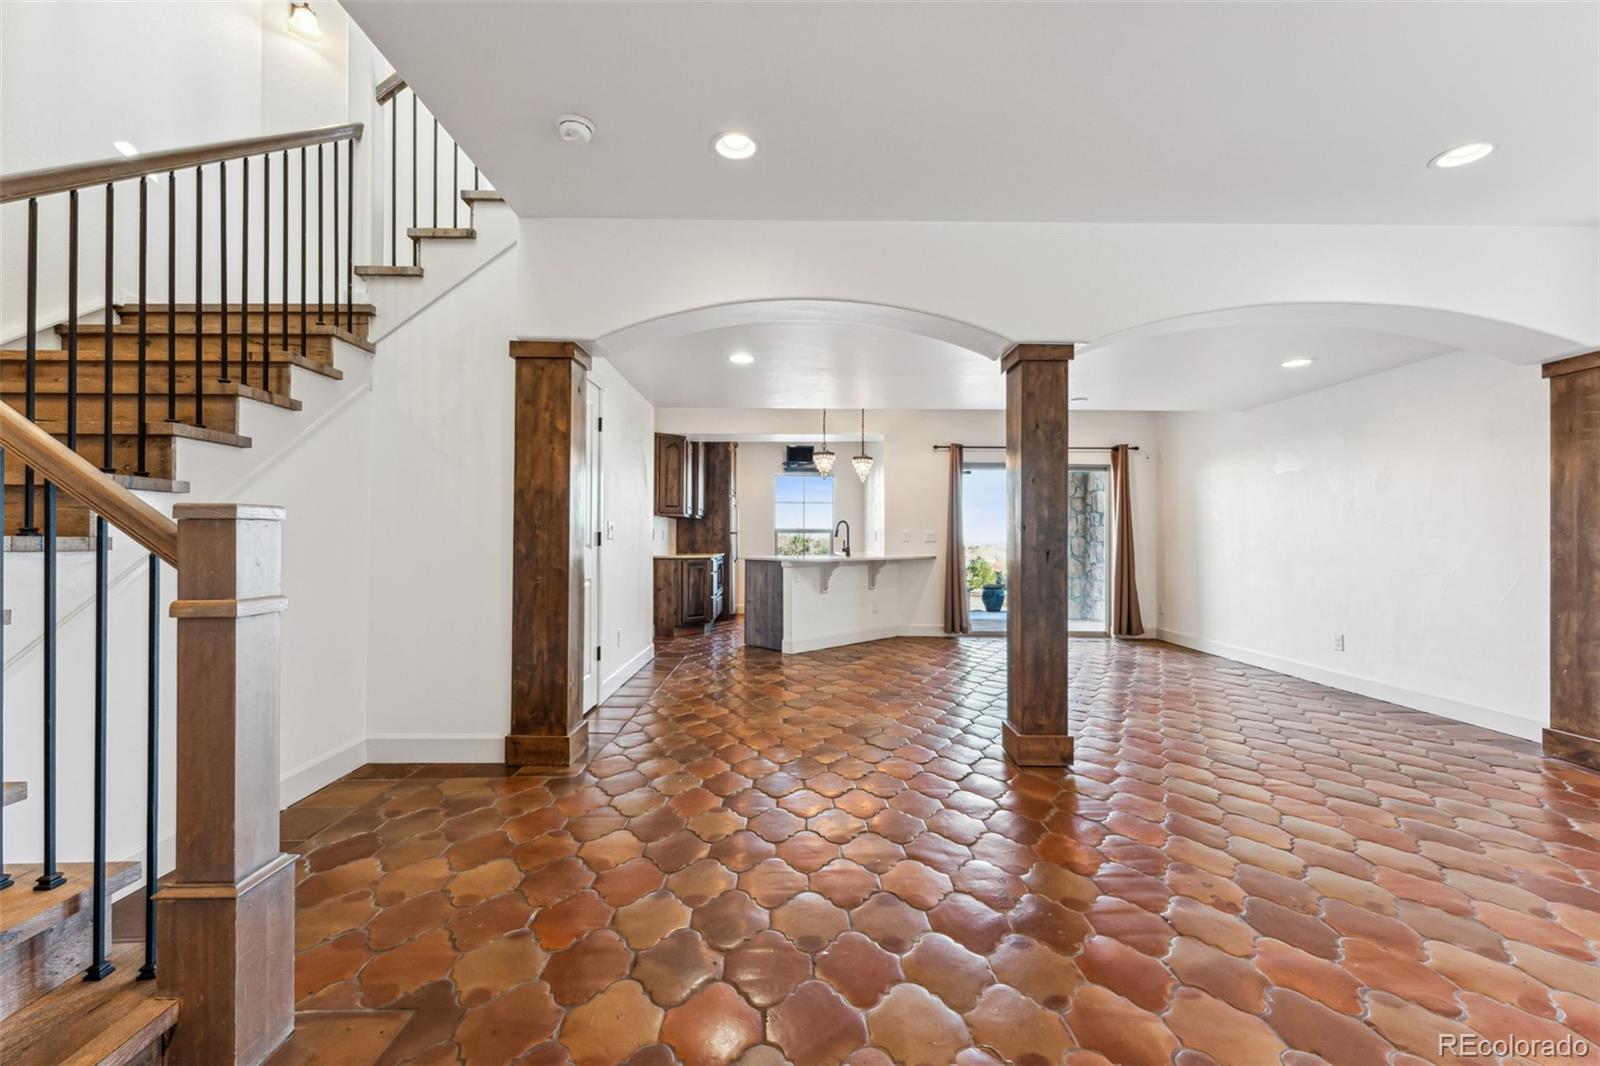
x,y
929,536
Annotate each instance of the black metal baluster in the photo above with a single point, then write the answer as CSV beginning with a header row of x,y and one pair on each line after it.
x,y
335,236
172,296
284,297
266,267
474,177
107,414
222,262
433,175
303,212
49,876
322,248
141,467
199,258
72,324
5,878
416,250
394,180
244,272
28,529
99,966
152,771
350,242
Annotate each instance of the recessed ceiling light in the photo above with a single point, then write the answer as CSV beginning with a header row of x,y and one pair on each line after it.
x,y
732,145
741,358
1461,155
125,148
1296,364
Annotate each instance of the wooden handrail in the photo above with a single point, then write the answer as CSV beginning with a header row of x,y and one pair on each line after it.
x,y
389,87
78,478
82,175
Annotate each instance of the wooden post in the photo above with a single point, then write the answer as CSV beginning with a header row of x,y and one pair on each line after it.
x,y
1574,732
1036,554
549,502
226,914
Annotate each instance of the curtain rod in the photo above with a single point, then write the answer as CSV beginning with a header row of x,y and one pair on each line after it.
x,y
1071,448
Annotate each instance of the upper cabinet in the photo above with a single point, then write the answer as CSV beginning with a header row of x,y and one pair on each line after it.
x,y
680,477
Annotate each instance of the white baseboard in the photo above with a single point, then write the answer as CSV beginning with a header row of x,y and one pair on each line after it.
x,y
618,677
1471,714
305,779
436,747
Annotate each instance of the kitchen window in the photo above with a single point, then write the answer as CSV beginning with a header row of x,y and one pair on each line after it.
x,y
802,514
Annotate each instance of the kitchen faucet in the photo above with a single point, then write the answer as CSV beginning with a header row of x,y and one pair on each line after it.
x,y
835,533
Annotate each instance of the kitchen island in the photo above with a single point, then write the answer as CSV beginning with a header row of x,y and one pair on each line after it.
x,y
797,603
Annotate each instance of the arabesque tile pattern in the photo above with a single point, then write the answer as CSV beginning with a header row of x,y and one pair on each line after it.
x,y
823,858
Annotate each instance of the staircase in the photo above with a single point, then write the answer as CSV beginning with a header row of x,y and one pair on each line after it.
x,y
99,419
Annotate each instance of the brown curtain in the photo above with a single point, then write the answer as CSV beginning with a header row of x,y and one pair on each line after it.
x,y
1125,620
957,617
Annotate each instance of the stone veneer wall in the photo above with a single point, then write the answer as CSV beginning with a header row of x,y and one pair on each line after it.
x,y
1088,552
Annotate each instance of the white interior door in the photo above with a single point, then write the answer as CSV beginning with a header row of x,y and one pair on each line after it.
x,y
591,549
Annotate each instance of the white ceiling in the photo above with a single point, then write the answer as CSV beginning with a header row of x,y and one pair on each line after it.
x,y
811,364
1116,112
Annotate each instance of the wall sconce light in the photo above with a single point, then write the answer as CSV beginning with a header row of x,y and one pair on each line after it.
x,y
303,21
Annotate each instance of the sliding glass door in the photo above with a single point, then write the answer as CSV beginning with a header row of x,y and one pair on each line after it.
x,y
1088,549
983,529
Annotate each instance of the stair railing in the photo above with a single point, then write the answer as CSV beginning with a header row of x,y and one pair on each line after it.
x,y
293,152
394,94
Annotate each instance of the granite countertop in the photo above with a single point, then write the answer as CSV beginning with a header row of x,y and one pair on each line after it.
x,y
689,555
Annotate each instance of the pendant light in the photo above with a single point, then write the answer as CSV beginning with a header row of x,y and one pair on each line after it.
x,y
823,457
862,462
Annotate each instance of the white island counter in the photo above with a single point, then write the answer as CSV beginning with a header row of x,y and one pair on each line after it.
x,y
795,603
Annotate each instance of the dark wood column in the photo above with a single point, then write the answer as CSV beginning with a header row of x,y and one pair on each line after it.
x,y
225,933
1574,731
1036,554
549,500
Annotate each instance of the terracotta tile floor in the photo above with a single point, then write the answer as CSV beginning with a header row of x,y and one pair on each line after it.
x,y
822,858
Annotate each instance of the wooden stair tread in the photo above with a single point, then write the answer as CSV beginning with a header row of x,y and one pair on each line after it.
x,y
127,360
482,196
389,271
162,307
64,545
14,791
313,328
131,482
91,1023
213,389
441,233
91,427
25,912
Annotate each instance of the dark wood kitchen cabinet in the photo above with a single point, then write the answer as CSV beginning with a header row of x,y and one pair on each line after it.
x,y
690,590
672,475
680,477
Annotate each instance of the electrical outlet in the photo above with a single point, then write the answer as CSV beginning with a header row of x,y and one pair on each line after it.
x,y
619,636
929,536
1338,642
611,531
874,606
905,536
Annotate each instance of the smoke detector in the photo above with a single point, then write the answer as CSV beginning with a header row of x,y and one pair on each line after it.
x,y
575,129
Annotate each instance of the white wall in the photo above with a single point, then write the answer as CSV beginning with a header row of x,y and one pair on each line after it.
x,y
1408,511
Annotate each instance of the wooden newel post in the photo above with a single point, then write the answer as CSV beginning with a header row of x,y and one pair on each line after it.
x,y
226,913
1035,733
